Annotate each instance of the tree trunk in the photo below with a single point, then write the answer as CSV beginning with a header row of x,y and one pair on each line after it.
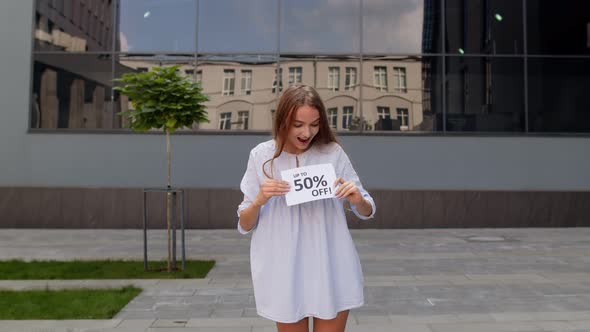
x,y
168,201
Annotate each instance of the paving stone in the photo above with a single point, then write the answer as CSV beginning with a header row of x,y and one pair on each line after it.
x,y
426,278
169,323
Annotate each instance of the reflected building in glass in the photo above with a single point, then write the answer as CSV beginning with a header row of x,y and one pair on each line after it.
x,y
72,65
449,109
243,90
402,66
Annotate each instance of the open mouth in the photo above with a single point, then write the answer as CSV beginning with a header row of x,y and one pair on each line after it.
x,y
303,141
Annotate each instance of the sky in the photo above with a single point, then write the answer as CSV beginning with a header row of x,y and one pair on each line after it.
x,y
307,26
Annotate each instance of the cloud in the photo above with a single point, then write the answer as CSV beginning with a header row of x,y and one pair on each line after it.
x,y
394,27
123,43
333,25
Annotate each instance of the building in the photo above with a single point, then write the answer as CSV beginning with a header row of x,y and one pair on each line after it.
x,y
455,113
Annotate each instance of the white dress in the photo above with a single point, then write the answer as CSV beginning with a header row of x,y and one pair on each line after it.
x,y
302,258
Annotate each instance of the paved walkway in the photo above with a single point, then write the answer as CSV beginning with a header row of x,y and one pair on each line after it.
x,y
447,280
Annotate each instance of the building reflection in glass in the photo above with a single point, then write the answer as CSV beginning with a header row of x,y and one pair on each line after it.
x,y
72,91
485,94
399,93
379,66
336,79
241,91
484,27
558,27
73,26
558,91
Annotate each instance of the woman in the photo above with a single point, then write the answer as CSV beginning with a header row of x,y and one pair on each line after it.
x,y
302,257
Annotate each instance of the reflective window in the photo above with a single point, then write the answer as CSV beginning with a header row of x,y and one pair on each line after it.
x,y
323,73
72,91
402,26
243,119
558,27
225,121
157,26
320,26
399,79
558,92
295,75
485,94
232,48
73,26
333,117
484,26
380,78
403,117
238,26
334,78
412,103
240,89
129,63
351,81
229,82
347,116
246,87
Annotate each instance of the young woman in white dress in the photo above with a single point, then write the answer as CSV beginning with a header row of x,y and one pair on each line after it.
x,y
303,260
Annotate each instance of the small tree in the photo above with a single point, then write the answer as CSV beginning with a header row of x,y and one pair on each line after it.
x,y
162,99
355,124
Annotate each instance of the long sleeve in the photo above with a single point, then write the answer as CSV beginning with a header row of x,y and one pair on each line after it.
x,y
249,186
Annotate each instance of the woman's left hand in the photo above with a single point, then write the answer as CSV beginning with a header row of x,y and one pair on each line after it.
x,y
349,191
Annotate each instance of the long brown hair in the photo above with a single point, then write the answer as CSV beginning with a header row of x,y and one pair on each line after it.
x,y
292,99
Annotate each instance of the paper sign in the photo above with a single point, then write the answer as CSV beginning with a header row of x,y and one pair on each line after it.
x,y
309,183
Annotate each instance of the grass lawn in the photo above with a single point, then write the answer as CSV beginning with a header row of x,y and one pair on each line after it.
x,y
100,269
65,304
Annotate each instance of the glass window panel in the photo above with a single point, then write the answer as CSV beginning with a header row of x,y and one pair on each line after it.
x,y
558,27
246,88
59,28
295,75
484,26
157,26
485,94
243,120
129,63
253,99
72,91
320,26
351,79
333,117
558,90
334,78
229,81
323,74
238,26
416,88
225,121
402,26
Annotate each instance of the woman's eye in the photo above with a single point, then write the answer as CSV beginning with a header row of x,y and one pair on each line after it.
x,y
315,125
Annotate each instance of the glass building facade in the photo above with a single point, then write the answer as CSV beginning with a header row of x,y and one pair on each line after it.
x,y
402,66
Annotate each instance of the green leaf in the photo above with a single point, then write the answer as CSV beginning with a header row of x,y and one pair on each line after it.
x,y
170,123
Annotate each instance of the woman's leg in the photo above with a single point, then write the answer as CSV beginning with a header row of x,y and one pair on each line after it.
x,y
300,326
337,324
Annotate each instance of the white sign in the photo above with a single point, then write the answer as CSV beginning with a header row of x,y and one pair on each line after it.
x,y
309,183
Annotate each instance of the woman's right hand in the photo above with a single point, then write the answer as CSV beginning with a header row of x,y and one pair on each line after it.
x,y
270,188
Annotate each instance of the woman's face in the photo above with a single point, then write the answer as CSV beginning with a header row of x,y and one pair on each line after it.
x,y
303,129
